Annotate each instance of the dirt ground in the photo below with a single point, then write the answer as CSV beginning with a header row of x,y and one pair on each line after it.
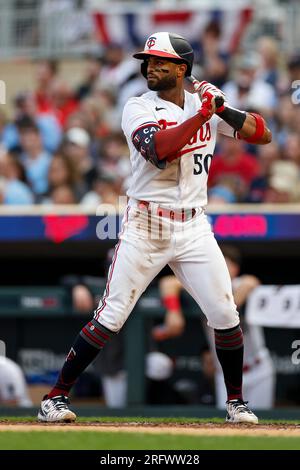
x,y
208,429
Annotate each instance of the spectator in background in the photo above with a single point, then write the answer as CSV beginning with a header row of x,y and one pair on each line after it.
x,y
267,155
76,148
63,194
46,73
106,98
62,101
83,120
94,113
248,92
93,110
34,157
105,191
115,161
130,82
77,119
112,60
293,70
291,150
62,173
115,157
227,191
269,70
213,60
92,72
25,108
283,183
3,123
286,118
233,161
14,189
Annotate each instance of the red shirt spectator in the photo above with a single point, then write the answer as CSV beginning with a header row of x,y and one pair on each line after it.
x,y
233,160
63,103
45,74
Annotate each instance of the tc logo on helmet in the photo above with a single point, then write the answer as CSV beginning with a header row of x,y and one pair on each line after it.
x,y
151,41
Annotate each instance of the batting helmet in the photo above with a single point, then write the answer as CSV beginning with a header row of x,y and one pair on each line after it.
x,y
167,45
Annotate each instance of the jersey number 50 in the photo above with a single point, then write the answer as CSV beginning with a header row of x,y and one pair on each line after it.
x,y
201,162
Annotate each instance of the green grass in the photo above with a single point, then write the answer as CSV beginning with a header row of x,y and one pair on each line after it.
x,y
95,440
89,440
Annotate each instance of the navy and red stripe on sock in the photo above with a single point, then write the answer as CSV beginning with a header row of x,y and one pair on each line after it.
x,y
86,347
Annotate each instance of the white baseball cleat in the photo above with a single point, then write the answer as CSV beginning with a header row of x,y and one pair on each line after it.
x,y
238,412
56,410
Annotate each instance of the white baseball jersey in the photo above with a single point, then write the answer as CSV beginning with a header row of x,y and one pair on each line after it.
x,y
183,183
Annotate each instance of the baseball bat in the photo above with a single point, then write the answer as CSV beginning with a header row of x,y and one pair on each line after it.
x,y
219,100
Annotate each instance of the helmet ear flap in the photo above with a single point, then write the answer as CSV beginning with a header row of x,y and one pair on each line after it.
x,y
144,66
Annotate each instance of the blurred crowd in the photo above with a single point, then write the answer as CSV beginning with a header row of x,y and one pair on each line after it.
x,y
65,146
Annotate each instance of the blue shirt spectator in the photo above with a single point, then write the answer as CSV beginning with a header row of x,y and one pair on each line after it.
x,y
17,193
50,130
35,159
14,188
37,171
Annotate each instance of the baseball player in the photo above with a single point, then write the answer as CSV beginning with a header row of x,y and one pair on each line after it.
x,y
171,134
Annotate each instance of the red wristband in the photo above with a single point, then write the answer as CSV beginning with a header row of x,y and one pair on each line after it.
x,y
171,303
260,129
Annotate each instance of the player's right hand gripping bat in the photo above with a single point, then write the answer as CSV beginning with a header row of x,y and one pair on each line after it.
x,y
219,100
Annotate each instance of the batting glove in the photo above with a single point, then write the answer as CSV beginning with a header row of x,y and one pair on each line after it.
x,y
209,106
209,92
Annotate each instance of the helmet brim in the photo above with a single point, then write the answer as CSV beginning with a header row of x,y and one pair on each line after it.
x,y
166,55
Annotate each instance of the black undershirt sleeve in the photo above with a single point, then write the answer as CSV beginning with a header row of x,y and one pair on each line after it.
x,y
234,117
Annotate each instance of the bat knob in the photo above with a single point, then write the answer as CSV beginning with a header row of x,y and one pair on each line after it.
x,y
219,100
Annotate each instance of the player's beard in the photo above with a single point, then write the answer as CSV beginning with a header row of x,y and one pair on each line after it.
x,y
165,83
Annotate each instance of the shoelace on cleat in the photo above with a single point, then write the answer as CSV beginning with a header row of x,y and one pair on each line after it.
x,y
241,406
61,403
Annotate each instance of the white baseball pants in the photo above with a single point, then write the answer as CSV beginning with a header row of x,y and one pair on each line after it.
x,y
147,243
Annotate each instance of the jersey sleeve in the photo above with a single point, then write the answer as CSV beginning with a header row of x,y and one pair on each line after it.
x,y
136,114
224,128
139,126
